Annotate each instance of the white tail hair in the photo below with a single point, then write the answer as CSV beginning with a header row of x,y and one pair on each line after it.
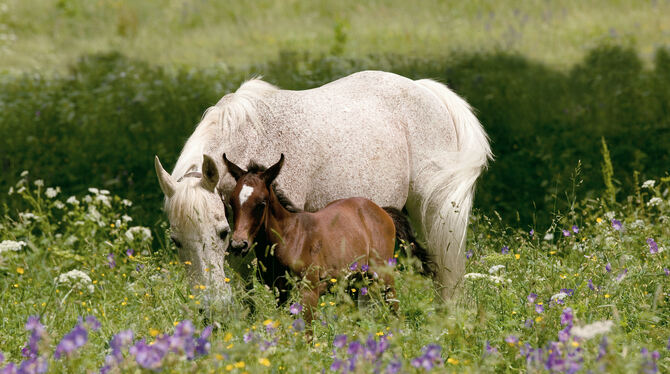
x,y
449,186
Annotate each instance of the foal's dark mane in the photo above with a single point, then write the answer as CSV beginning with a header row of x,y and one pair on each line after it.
x,y
255,168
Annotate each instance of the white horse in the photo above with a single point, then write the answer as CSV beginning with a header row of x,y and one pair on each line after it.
x,y
378,135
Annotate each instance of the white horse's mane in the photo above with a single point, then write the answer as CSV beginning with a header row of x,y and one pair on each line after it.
x,y
221,121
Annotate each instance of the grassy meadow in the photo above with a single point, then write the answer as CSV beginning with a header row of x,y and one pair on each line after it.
x,y
567,254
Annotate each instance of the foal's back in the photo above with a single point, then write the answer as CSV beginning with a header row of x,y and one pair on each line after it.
x,y
347,230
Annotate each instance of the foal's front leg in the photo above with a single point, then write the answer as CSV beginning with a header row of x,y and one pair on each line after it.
x,y
310,299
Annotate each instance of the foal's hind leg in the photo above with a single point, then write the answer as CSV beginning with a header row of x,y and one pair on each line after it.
x,y
389,293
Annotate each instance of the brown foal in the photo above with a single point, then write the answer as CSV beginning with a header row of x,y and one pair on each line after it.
x,y
315,246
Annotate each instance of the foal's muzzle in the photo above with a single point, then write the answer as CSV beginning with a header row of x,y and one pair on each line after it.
x,y
239,245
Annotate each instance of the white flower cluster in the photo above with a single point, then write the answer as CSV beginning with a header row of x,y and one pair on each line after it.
x,y
591,330
559,296
493,278
496,268
52,192
100,195
654,201
649,184
138,232
76,279
11,245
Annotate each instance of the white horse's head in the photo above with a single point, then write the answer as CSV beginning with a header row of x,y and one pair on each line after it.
x,y
198,226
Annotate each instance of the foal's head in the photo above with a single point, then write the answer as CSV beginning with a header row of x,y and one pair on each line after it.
x,y
250,201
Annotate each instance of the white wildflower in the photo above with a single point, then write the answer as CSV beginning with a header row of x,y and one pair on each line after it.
x,y
39,183
609,215
654,201
87,199
649,184
591,330
559,296
26,216
94,190
549,236
104,192
638,224
496,268
138,232
76,279
126,202
104,199
24,173
51,192
21,189
71,239
93,214
79,223
475,276
126,218
497,279
59,205
11,190
11,245
72,200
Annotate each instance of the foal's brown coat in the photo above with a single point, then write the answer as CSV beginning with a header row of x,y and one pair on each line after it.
x,y
315,246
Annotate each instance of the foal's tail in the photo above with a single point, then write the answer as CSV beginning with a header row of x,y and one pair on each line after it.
x,y
404,233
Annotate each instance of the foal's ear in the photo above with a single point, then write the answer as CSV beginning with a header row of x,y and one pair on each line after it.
x,y
210,174
270,174
236,171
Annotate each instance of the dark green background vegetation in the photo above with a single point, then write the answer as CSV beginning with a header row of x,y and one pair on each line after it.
x,y
100,123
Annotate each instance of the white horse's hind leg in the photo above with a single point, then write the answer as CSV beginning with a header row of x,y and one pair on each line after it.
x,y
442,188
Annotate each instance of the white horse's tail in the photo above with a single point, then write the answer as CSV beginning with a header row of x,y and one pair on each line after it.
x,y
448,188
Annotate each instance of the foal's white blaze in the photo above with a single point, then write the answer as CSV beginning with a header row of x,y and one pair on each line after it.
x,y
245,193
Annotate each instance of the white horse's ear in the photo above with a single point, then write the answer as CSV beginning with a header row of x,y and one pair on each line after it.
x,y
164,179
210,174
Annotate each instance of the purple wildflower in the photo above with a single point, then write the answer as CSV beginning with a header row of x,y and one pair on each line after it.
x,y
511,339
110,261
504,250
568,291
622,275
93,323
575,229
608,267
394,367
31,365
529,323
564,335
364,268
336,365
539,308
430,357
37,333
353,266
355,348
130,252
616,225
566,317
364,291
340,341
566,232
392,261
668,346
248,337
653,247
490,349
10,369
591,286
298,324
295,308
469,254
667,271
531,232
532,297
149,356
71,341
602,348
2,357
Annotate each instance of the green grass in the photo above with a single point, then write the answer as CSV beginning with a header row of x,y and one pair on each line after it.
x,y
148,293
41,35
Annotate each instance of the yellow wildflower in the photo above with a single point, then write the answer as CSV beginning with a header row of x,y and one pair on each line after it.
x,y
153,332
226,279
20,270
264,361
599,220
452,361
228,337
333,280
517,256
239,364
229,367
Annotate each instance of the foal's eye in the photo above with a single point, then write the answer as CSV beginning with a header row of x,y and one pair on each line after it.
x,y
175,241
